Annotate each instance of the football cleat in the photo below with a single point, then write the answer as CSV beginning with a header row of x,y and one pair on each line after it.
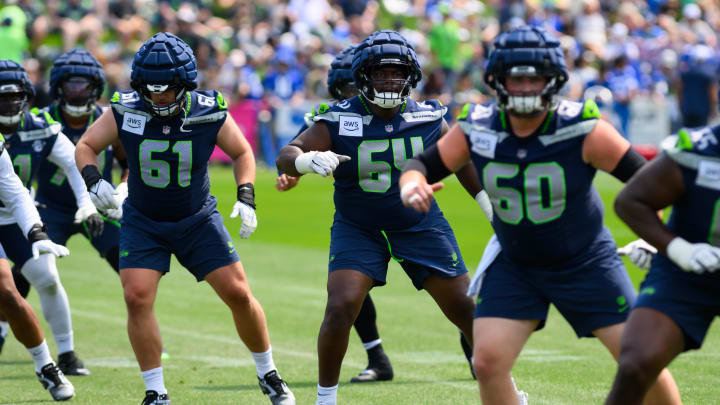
x,y
373,374
70,364
274,387
153,398
53,380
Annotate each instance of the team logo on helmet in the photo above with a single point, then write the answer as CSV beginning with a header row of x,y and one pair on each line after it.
x,y
385,68
526,51
163,63
16,92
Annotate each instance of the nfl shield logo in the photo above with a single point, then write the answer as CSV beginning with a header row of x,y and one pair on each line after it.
x,y
166,129
521,153
38,145
388,128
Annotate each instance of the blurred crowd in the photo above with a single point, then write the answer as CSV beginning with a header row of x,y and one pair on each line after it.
x,y
270,57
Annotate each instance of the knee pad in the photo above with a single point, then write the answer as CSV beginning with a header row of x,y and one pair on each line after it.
x,y
41,272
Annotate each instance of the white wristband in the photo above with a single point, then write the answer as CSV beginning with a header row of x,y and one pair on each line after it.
x,y
679,251
303,163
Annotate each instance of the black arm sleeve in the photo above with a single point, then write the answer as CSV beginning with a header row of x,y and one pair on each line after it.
x,y
429,164
630,163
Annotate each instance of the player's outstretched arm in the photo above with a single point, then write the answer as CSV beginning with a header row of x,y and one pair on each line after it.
x,y
63,155
310,152
448,155
101,134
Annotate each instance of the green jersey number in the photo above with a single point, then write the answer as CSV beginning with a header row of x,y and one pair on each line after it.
x,y
374,175
155,172
59,176
23,167
544,192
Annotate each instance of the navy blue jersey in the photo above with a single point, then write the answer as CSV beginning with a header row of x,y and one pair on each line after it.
x,y
696,215
546,208
31,144
168,158
366,187
52,185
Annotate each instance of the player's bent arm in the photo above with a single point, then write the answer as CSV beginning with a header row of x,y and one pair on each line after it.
x,y
15,196
63,155
315,138
467,174
101,134
656,186
232,141
605,149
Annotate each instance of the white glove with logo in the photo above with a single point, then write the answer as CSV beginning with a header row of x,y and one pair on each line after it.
x,y
249,220
695,257
102,195
483,201
322,163
47,246
122,193
640,253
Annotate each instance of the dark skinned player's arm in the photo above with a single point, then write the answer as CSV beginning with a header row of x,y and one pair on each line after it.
x,y
315,138
655,186
467,174
121,157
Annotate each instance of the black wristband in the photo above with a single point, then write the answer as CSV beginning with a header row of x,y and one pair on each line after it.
x,y
123,163
246,194
91,175
37,232
429,164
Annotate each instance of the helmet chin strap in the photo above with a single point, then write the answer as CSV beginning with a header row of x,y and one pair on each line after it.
x,y
9,120
387,99
77,111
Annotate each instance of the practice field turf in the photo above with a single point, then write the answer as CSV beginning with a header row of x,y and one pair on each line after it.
x,y
286,262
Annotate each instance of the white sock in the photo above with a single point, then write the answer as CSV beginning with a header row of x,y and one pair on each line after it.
x,y
4,327
369,345
154,380
264,362
327,395
40,355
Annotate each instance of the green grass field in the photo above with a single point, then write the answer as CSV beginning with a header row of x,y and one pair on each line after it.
x,y
286,262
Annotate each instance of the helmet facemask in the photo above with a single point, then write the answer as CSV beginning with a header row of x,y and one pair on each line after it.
x,y
77,95
13,103
526,104
164,110
387,84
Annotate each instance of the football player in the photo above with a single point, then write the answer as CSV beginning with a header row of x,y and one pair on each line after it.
x,y
169,129
536,158
365,141
30,140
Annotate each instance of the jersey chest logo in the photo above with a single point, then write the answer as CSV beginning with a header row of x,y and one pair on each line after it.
x,y
483,143
351,126
134,123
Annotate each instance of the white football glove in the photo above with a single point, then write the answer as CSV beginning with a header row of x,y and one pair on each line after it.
x,y
322,163
249,220
47,246
102,195
483,201
694,257
640,253
122,193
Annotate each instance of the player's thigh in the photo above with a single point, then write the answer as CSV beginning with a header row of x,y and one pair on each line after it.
x,y
139,284
510,292
17,248
690,300
205,247
428,249
591,295
143,243
497,342
359,249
